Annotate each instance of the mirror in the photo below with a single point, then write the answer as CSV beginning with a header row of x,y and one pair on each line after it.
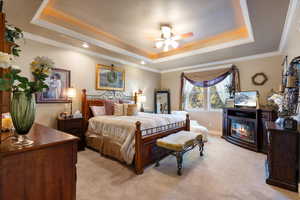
x,y
162,102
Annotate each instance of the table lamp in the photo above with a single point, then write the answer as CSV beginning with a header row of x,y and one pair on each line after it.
x,y
71,93
142,101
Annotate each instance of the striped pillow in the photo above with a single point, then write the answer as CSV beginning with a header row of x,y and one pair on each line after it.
x,y
132,110
118,109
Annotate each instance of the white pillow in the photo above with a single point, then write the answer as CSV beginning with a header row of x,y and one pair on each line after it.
x,y
98,110
179,112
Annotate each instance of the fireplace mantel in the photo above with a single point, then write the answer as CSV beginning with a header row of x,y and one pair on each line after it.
x,y
244,127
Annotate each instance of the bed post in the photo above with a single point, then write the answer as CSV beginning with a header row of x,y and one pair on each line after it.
x,y
84,105
138,149
187,123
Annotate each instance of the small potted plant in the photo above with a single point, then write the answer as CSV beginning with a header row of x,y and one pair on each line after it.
x,y
23,90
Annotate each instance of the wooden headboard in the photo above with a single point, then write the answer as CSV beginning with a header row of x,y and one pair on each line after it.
x,y
88,100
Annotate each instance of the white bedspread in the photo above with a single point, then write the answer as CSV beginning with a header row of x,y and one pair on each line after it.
x,y
121,129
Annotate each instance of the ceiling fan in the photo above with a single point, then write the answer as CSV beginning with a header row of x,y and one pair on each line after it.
x,y
168,39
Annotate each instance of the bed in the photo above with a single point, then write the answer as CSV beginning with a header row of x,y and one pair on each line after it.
x,y
129,139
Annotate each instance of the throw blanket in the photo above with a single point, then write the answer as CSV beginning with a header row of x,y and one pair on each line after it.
x,y
121,129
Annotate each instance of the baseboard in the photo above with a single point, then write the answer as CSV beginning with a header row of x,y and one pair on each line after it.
x,y
216,133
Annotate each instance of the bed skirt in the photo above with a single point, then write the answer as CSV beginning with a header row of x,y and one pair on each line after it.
x,y
105,146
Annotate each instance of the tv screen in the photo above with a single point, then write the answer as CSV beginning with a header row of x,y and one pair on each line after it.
x,y
245,99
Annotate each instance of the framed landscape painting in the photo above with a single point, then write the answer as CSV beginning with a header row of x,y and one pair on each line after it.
x,y
58,82
110,78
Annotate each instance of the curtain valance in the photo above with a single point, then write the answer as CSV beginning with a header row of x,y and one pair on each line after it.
x,y
212,77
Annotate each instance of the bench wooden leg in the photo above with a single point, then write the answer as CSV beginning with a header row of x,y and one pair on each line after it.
x,y
157,164
179,156
201,146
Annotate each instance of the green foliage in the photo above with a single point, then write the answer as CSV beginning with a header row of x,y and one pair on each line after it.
x,y
12,81
12,34
215,100
196,98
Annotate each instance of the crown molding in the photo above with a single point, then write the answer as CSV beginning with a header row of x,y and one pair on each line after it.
x,y
43,23
47,41
223,62
209,69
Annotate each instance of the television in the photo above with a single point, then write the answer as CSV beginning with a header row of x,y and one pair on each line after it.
x,y
246,99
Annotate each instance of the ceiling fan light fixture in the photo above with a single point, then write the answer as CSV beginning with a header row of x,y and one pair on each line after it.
x,y
166,31
159,44
174,44
166,48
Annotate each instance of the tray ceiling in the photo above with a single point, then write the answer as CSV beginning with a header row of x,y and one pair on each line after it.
x,y
122,29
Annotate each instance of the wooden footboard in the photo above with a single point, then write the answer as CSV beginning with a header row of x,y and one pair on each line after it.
x,y
146,151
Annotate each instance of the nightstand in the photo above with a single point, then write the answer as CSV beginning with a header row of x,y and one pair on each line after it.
x,y
74,126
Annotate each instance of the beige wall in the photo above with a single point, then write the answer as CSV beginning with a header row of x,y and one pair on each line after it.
x,y
82,76
213,120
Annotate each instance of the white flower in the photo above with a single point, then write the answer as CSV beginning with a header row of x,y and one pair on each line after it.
x,y
5,60
15,67
41,65
9,27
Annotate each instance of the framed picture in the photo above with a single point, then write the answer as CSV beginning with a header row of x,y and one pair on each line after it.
x,y
246,99
110,78
58,82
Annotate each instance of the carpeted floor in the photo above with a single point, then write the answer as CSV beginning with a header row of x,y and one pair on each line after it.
x,y
225,172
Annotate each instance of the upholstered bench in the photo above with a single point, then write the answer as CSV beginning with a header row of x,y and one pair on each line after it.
x,y
180,143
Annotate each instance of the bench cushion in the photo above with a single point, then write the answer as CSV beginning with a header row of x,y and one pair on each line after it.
x,y
178,141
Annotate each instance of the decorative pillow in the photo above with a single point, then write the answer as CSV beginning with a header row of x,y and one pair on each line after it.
x,y
126,101
98,110
118,109
109,106
132,110
125,108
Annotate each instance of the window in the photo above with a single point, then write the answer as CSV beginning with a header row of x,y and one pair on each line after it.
x,y
211,98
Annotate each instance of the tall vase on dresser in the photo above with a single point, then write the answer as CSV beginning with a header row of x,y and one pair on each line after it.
x,y
23,98
23,115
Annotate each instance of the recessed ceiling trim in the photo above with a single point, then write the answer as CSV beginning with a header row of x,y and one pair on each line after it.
x,y
87,39
246,16
243,4
44,40
288,22
205,50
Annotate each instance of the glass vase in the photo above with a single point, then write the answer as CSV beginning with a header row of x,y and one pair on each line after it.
x,y
23,115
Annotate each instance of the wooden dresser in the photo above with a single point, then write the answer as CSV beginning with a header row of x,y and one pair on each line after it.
x,y
282,164
44,171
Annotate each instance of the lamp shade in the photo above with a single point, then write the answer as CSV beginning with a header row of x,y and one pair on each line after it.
x,y
71,92
142,99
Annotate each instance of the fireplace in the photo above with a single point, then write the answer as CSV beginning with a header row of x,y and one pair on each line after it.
x,y
243,130
240,126
244,127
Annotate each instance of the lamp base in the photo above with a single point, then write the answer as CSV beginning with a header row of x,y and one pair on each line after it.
x,y
142,108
